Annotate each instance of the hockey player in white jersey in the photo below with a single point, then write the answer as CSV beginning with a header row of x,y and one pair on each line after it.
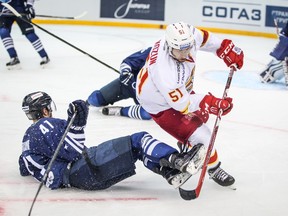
x,y
164,88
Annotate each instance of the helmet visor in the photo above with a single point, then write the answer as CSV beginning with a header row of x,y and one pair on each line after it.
x,y
52,107
34,114
181,55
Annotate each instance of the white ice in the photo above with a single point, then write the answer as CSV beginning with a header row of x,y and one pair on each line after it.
x,y
252,141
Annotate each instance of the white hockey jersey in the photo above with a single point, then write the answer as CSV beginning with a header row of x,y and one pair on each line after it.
x,y
164,82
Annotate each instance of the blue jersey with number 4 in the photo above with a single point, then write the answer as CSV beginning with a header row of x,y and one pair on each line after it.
x,y
39,144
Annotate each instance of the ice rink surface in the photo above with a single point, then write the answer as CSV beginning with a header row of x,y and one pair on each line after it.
x,y
252,141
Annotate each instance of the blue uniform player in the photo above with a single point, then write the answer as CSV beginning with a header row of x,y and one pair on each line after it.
x,y
100,166
278,66
6,20
122,88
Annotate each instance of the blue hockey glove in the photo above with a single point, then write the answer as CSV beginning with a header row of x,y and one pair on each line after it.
x,y
81,117
126,76
30,11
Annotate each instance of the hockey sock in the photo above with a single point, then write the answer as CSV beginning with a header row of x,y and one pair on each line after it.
x,y
35,41
8,42
213,162
136,112
96,99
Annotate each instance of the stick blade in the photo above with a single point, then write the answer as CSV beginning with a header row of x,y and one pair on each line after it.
x,y
81,15
187,194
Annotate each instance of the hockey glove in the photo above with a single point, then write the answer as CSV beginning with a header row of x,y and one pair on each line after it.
x,y
30,11
230,54
126,76
213,105
81,117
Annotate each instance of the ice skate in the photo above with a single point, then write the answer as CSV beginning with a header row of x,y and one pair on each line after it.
x,y
190,162
112,110
173,176
44,62
13,64
179,179
220,176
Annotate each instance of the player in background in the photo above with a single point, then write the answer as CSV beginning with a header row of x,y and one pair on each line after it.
x,y
100,166
277,68
122,88
165,88
6,20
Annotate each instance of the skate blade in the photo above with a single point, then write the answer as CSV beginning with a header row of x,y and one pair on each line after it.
x,y
14,67
43,66
179,182
231,187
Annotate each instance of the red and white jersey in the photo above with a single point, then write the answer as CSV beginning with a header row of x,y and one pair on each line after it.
x,y
164,82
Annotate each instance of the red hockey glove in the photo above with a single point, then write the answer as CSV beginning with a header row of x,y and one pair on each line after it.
x,y
230,54
213,104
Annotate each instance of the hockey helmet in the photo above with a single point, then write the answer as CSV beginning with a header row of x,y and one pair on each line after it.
x,y
34,103
179,36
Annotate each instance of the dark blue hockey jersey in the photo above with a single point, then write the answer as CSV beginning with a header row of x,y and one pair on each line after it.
x,y
136,61
18,5
133,64
39,144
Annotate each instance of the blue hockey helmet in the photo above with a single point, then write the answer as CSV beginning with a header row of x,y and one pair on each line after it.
x,y
34,103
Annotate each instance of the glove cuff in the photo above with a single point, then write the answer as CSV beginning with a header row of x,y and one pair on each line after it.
x,y
77,129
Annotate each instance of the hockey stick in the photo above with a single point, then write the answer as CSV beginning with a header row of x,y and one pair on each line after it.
x,y
50,16
64,41
193,194
62,17
276,26
52,160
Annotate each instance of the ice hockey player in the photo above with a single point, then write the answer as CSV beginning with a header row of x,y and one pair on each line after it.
x,y
122,88
6,20
278,66
100,166
164,88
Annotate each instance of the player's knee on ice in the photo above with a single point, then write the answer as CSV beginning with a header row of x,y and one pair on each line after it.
x,y
96,99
